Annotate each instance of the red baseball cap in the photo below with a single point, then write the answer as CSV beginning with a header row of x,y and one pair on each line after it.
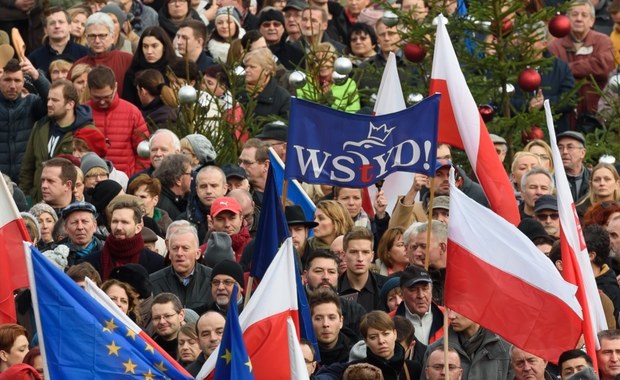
x,y
225,204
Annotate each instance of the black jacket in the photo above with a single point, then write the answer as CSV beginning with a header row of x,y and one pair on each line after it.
x,y
196,295
150,260
272,101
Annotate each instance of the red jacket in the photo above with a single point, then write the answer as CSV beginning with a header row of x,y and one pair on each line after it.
x,y
118,61
124,127
596,58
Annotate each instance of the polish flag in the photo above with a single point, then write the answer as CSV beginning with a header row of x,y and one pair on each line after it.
x,y
576,267
496,277
13,271
461,126
264,321
389,100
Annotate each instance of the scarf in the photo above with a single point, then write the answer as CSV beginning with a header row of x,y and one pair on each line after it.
x,y
83,252
118,252
239,241
472,344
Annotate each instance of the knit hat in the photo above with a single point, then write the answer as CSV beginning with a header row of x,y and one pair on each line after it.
x,y
229,268
40,208
136,276
202,147
219,247
190,316
103,193
270,14
94,139
229,11
391,283
58,256
116,11
31,222
92,160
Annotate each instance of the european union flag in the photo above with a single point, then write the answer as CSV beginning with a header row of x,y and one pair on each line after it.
x,y
81,339
233,362
351,150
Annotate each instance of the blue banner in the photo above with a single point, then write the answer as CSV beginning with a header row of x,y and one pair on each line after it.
x,y
332,147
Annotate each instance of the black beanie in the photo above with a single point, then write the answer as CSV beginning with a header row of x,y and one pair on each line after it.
x,y
136,276
103,193
229,268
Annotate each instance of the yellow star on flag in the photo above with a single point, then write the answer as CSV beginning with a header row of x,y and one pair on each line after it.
x,y
227,356
113,349
149,348
131,334
161,367
110,326
249,364
149,375
130,366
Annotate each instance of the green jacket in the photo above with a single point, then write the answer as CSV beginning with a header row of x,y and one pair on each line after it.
x,y
37,150
342,97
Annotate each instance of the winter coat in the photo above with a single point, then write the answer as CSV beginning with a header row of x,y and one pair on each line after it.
x,y
196,295
124,127
43,56
17,119
159,115
118,61
342,97
606,282
37,149
272,101
490,361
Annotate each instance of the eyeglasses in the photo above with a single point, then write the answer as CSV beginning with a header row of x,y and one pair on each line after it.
x,y
167,317
246,162
543,157
569,147
358,38
227,283
271,24
439,367
93,37
553,216
104,98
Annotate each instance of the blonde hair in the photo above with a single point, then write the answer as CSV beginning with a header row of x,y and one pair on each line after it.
x,y
338,214
520,155
264,58
593,198
545,146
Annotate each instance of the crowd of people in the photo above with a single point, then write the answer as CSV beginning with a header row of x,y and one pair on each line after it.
x,y
168,234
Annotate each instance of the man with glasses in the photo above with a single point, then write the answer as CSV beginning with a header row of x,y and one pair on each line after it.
x,y
120,121
572,146
546,212
254,159
167,316
435,365
226,274
185,277
488,358
99,35
271,23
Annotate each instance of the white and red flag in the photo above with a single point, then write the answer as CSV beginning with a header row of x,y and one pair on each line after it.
x,y
498,278
13,271
461,126
264,322
576,267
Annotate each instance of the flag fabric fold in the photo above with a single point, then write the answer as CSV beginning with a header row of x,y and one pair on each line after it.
x,y
295,193
13,273
351,150
576,267
497,277
461,126
233,362
86,337
263,319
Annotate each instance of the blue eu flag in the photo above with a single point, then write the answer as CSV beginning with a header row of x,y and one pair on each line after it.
x,y
82,339
233,362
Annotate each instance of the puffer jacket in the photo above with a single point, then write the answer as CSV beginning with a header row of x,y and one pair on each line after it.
x,y
37,151
118,61
124,127
16,121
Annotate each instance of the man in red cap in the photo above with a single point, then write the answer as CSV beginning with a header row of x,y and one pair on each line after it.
x,y
226,217
53,134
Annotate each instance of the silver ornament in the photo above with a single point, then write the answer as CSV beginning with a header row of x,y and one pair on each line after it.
x,y
187,94
339,79
509,88
144,150
614,83
343,66
414,98
390,18
607,159
297,79
239,71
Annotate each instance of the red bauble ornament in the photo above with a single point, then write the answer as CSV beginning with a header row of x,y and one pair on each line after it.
x,y
559,26
506,27
414,52
529,80
487,112
534,133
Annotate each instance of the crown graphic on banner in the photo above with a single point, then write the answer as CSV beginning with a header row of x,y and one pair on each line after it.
x,y
380,133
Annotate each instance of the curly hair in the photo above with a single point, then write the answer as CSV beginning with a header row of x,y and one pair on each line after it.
x,y
133,310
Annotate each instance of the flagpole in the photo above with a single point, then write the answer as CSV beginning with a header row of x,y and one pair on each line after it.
x,y
248,291
446,363
284,192
430,223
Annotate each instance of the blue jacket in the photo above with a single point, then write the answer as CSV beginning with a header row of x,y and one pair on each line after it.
x,y
43,56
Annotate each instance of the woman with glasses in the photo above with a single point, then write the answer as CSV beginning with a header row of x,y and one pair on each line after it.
x,y
173,13
362,43
543,151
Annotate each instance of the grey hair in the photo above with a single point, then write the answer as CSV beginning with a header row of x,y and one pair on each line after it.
x,y
534,171
100,18
181,230
439,230
577,3
176,143
174,226
410,231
